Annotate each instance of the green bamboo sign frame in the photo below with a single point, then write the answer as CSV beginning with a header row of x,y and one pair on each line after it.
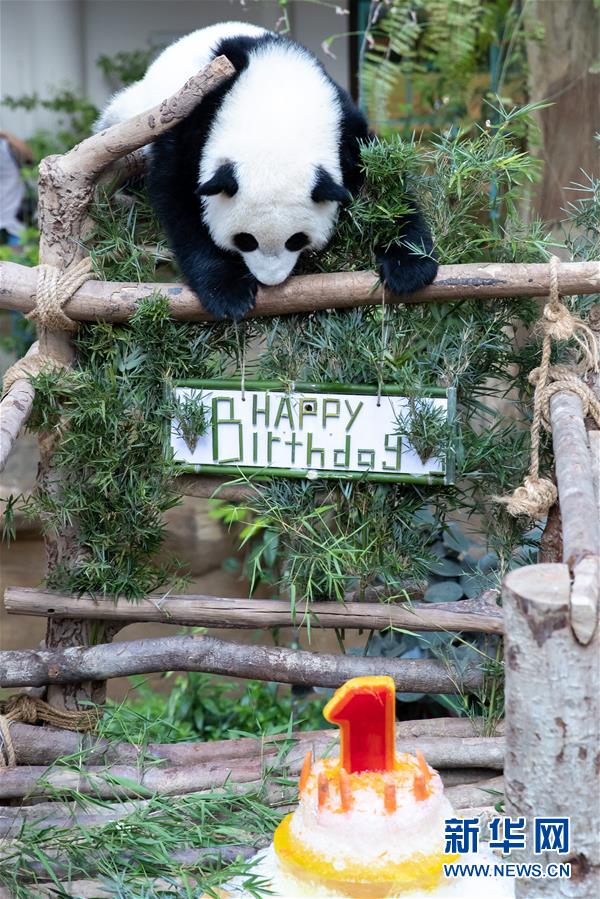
x,y
256,472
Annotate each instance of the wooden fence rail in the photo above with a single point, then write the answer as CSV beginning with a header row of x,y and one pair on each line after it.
x,y
117,302
481,614
75,664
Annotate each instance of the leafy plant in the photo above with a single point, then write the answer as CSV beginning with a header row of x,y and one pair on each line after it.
x,y
191,420
426,428
203,707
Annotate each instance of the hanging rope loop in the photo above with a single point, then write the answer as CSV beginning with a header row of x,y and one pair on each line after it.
x,y
537,495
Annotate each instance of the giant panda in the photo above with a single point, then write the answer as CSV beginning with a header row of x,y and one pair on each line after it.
x,y
258,171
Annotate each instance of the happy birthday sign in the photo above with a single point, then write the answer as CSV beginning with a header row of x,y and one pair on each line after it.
x,y
341,431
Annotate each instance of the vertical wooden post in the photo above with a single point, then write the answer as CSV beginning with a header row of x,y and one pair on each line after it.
x,y
553,724
61,212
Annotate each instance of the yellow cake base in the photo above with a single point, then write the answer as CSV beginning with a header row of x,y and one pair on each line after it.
x,y
357,880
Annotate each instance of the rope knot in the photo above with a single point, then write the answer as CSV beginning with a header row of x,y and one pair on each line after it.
x,y
55,287
559,322
533,499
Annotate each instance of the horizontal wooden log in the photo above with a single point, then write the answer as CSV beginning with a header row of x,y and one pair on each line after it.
x,y
36,668
34,745
116,302
475,794
481,614
124,781
71,814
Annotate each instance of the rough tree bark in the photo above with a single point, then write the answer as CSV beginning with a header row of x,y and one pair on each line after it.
x,y
560,72
552,725
15,409
579,510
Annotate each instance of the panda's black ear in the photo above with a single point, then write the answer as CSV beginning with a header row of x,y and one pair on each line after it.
x,y
222,182
326,189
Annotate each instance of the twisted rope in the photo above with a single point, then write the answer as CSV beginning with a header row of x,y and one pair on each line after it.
x,y
55,287
536,496
31,710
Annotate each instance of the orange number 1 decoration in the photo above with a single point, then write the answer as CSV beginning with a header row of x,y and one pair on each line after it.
x,y
364,710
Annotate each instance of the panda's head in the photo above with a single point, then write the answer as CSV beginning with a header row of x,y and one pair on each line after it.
x,y
268,218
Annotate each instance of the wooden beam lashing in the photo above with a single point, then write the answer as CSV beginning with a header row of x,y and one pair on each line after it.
x,y
117,302
552,723
481,614
75,664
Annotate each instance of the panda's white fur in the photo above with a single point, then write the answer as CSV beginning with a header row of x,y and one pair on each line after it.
x,y
276,128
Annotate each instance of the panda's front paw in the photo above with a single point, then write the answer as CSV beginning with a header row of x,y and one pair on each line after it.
x,y
231,299
405,272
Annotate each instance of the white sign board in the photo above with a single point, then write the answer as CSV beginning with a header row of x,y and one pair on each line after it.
x,y
309,432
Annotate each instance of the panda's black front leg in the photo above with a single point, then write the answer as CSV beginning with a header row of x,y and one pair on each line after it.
x,y
222,282
402,269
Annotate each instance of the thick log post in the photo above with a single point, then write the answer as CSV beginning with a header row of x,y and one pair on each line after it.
x,y
552,726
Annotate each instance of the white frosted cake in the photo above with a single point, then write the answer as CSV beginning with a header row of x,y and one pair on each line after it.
x,y
365,832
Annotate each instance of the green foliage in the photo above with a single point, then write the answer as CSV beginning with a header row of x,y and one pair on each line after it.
x,y
114,415
190,419
426,428
311,539
127,854
442,61
202,707
127,66
75,116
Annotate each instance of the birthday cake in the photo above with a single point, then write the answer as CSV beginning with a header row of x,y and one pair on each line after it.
x,y
369,823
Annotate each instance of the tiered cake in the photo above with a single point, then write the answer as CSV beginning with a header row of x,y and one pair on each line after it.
x,y
369,823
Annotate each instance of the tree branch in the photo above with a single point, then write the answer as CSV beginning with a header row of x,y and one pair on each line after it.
x,y
35,668
480,614
116,302
41,746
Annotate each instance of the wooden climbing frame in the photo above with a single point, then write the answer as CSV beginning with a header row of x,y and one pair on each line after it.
x,y
548,745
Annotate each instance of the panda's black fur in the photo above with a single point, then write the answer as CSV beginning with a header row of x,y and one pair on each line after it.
x,y
218,276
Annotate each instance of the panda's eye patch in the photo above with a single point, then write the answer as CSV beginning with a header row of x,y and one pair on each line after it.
x,y
297,241
245,242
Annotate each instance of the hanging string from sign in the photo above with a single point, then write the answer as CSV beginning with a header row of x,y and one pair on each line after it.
x,y
241,346
384,337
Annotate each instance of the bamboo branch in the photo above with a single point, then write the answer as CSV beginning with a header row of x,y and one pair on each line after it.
x,y
34,668
481,614
117,302
34,745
